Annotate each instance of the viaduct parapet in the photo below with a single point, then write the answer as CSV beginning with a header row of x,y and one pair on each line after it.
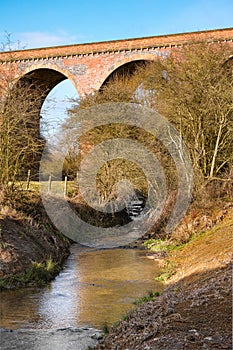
x,y
88,66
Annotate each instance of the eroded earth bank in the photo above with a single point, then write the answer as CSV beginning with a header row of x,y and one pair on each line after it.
x,y
195,310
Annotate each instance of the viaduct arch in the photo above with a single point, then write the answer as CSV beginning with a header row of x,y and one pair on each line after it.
x,y
88,66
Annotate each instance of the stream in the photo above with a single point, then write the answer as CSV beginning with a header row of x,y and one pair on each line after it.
x,y
95,287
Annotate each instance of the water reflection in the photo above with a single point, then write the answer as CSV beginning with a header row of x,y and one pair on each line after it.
x,y
96,286
59,307
113,278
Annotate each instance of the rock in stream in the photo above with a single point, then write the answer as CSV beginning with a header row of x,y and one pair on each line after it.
x,y
50,339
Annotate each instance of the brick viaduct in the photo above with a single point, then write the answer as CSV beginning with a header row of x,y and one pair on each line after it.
x,y
88,66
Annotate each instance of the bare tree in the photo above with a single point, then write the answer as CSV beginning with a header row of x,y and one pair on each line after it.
x,y
112,172
20,140
193,89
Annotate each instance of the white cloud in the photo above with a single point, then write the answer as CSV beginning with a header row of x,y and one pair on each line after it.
x,y
43,39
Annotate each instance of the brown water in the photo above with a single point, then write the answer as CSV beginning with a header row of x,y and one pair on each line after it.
x,y
95,287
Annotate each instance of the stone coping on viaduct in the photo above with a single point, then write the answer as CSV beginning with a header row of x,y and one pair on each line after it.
x,y
133,44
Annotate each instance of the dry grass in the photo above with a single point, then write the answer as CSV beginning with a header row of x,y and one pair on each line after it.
x,y
210,250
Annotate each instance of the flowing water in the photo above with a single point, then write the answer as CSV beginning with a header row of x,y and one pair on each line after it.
x,y
96,287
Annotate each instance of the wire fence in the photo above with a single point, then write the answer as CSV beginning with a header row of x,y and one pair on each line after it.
x,y
52,184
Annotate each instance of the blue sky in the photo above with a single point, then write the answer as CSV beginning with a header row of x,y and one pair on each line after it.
x,y
59,22
55,22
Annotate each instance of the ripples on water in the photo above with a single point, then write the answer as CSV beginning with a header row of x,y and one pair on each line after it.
x,y
95,287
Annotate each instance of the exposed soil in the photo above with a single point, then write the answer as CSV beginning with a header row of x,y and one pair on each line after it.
x,y
25,239
195,310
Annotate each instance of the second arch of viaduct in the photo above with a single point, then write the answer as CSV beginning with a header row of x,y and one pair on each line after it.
x,y
89,66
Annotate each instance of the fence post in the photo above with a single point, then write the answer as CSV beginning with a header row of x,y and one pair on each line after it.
x,y
65,186
50,183
28,180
